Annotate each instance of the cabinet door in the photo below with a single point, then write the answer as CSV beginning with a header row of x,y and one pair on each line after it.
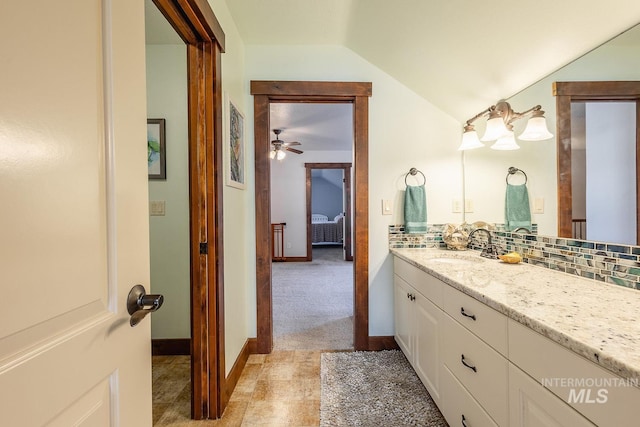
x,y
531,405
403,315
426,358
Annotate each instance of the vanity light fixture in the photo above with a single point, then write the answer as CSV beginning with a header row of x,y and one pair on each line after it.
x,y
500,127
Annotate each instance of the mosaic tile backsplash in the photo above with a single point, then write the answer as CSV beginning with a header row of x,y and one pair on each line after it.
x,y
604,262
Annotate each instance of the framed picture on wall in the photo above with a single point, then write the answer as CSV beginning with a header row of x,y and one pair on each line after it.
x,y
235,154
156,153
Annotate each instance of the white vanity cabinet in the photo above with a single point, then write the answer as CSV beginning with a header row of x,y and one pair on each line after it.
x,y
530,404
418,323
485,369
598,394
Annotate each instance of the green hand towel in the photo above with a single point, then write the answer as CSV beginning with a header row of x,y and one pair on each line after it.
x,y
415,209
517,212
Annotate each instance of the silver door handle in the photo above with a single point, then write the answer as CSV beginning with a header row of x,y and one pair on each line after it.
x,y
139,304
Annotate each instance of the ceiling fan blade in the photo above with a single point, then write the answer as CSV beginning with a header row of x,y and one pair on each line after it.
x,y
293,150
292,143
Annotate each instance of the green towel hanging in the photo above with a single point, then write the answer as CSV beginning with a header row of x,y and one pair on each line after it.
x,y
516,207
415,209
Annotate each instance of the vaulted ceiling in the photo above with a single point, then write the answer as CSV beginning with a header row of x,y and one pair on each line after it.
x,y
461,55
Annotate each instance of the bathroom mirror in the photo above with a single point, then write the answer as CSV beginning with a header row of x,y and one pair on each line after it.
x,y
485,170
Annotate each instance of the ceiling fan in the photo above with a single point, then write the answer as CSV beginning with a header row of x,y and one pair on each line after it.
x,y
280,147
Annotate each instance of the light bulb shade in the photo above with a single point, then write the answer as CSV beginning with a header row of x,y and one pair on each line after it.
x,y
507,142
272,154
495,129
281,155
470,141
536,130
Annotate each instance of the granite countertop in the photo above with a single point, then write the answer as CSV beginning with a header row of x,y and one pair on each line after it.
x,y
596,320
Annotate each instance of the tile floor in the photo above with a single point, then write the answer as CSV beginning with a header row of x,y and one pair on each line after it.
x,y
278,389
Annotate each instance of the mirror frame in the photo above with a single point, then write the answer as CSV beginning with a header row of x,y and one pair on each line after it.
x,y
566,93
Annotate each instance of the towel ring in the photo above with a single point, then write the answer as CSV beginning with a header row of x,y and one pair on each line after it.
x,y
512,171
414,172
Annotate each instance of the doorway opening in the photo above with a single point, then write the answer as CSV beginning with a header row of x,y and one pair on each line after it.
x,y
569,95
265,93
328,197
199,29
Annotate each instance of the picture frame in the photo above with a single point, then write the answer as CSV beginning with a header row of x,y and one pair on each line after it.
x,y
235,147
156,149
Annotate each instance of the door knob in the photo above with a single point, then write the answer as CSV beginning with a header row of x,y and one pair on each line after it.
x,y
139,304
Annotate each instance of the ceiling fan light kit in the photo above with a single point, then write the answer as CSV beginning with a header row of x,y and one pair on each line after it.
x,y
280,147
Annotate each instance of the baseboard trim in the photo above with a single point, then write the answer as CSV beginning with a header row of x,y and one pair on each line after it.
x,y
171,347
296,259
383,343
250,347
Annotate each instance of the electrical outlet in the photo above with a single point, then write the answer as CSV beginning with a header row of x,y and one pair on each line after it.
x,y
288,245
456,206
538,205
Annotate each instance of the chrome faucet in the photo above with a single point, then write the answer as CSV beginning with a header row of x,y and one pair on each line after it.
x,y
490,250
525,229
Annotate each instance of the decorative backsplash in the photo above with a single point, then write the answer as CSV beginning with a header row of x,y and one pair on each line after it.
x,y
604,262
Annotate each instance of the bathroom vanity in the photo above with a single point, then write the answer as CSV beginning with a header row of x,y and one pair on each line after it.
x,y
500,344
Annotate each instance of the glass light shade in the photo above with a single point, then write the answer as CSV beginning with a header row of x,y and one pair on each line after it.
x,y
495,129
536,130
470,141
507,142
281,155
272,154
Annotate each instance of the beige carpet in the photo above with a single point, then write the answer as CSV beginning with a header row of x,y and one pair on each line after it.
x,y
313,302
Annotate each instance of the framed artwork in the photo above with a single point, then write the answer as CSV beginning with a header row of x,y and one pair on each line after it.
x,y
156,153
235,147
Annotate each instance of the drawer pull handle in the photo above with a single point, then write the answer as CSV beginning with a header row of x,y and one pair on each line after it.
x,y
473,368
472,316
464,421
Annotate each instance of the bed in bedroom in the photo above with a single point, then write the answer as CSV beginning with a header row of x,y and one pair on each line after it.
x,y
324,231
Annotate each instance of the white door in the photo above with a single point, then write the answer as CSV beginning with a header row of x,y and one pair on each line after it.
x,y
73,213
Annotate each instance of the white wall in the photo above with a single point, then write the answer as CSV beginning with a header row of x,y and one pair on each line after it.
x,y
405,131
169,234
238,205
289,195
486,169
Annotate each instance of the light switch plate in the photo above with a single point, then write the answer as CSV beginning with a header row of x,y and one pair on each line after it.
x,y
387,207
538,205
456,206
156,207
468,205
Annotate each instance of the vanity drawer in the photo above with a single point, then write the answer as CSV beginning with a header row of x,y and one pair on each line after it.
x,y
595,392
458,405
427,285
478,367
485,322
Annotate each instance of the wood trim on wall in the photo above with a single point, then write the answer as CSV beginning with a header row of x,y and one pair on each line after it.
x,y
566,93
358,94
195,23
248,349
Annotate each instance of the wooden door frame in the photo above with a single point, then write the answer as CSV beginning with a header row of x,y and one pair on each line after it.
x,y
196,24
566,93
357,93
346,168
